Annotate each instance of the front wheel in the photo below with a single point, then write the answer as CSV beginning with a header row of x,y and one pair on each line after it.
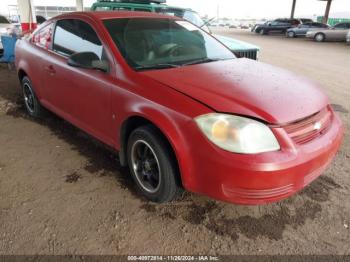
x,y
319,37
152,166
262,32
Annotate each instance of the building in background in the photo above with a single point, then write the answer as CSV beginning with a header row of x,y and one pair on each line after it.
x,y
11,11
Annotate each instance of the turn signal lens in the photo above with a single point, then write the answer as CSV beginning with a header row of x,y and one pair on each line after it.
x,y
220,130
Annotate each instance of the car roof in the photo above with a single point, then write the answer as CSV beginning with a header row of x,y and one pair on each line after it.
x,y
140,4
102,15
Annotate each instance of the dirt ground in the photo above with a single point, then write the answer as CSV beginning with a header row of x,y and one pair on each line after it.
x,y
61,192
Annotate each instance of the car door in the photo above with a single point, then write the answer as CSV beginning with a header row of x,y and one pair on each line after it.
x,y
282,26
302,29
273,26
41,42
82,96
338,32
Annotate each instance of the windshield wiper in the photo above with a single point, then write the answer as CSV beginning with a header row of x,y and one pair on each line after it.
x,y
156,66
169,65
201,61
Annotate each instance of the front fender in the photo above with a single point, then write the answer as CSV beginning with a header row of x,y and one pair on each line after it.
x,y
172,125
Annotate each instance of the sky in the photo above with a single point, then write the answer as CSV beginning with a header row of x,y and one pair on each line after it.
x,y
231,8
261,8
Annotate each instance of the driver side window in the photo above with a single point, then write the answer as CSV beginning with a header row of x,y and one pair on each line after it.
x,y
341,26
75,36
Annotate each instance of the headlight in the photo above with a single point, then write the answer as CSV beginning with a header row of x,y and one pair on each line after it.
x,y
237,134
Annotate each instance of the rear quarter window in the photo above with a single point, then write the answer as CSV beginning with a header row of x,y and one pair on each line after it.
x,y
43,38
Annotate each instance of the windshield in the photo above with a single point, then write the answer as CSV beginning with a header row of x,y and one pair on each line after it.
x,y
194,18
149,43
3,20
188,15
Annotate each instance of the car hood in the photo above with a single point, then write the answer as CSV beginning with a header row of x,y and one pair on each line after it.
x,y
246,87
234,44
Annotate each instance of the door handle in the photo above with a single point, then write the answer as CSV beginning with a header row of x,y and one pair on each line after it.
x,y
50,69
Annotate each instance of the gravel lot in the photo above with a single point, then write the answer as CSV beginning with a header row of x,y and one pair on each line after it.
x,y
61,192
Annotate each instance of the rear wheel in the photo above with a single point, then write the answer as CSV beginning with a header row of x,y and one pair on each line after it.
x,y
153,168
320,37
31,101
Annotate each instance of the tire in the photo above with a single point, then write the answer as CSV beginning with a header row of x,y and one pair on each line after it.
x,y
152,166
262,32
290,34
31,101
319,37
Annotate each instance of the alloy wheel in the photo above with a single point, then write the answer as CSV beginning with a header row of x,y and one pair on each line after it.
x,y
146,166
29,97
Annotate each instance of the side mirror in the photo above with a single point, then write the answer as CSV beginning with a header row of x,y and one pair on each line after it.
x,y
88,60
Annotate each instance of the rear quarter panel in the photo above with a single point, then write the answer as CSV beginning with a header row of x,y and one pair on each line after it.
x,y
28,59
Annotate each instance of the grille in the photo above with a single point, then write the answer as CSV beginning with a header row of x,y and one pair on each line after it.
x,y
309,128
251,54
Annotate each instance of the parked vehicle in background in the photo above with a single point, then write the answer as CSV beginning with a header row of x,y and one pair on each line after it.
x,y
334,33
16,22
178,106
255,26
280,25
244,26
276,26
5,27
348,37
305,20
16,19
302,29
240,48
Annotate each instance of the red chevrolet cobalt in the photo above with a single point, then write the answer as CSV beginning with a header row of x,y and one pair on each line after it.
x,y
179,107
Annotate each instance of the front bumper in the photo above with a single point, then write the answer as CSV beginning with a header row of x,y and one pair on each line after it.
x,y
267,177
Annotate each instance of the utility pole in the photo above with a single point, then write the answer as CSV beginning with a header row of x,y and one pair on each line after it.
x,y
27,13
80,5
293,9
326,14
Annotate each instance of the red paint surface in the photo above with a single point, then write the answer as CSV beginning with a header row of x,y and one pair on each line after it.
x,y
171,98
